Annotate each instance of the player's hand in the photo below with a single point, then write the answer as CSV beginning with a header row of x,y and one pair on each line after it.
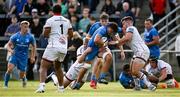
x,y
113,42
32,60
122,56
11,51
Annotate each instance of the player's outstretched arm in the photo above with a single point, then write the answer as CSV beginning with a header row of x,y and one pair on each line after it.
x,y
163,74
126,38
70,33
33,53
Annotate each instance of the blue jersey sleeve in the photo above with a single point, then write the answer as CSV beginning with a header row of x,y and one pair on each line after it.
x,y
154,33
93,28
13,38
119,30
101,31
125,81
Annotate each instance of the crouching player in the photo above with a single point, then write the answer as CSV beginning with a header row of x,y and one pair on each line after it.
x,y
163,71
73,71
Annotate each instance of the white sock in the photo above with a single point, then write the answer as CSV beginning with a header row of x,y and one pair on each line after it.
x,y
54,78
42,84
136,81
145,80
61,87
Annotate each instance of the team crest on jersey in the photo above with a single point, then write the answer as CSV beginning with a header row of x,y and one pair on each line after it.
x,y
27,40
17,40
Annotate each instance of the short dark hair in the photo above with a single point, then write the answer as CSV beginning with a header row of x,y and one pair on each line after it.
x,y
150,20
114,26
104,16
92,18
126,67
57,8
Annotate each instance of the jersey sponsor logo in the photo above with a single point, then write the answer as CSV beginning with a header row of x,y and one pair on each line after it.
x,y
130,30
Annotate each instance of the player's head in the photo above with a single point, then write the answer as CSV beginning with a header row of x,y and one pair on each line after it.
x,y
112,28
24,26
153,61
126,68
148,23
127,21
57,9
104,19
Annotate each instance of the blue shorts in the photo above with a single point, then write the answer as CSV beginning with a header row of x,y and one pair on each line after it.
x,y
20,63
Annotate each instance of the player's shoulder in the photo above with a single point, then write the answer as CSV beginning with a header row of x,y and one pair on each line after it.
x,y
131,29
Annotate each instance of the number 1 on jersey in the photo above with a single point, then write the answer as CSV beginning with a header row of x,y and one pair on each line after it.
x,y
61,28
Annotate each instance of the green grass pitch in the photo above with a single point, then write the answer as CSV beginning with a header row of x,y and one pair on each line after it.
x,y
113,89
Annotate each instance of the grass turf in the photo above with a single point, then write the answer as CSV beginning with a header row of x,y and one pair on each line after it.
x,y
113,89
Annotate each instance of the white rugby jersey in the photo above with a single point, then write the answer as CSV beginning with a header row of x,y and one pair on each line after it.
x,y
59,31
160,65
137,44
80,50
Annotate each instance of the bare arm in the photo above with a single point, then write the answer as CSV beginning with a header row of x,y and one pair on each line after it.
x,y
12,10
46,31
70,33
126,38
163,74
154,42
98,41
10,46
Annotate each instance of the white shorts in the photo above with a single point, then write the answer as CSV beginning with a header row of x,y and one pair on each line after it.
x,y
53,53
142,55
73,72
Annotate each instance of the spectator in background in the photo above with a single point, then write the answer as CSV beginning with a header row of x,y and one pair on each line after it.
x,y
151,38
158,8
172,5
127,11
119,8
71,11
13,27
74,3
177,48
92,21
18,7
34,12
42,7
74,22
36,27
28,7
2,7
108,8
8,5
93,4
84,22
136,7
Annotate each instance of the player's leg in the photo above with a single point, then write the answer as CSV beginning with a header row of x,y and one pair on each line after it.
x,y
95,72
107,57
22,76
7,74
136,66
59,74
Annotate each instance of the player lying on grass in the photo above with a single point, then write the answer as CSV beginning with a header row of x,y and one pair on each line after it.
x,y
18,46
140,50
127,81
163,71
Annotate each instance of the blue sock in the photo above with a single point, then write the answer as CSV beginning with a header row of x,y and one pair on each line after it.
x,y
93,77
6,79
102,76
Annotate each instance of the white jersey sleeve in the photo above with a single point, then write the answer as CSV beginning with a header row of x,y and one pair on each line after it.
x,y
137,44
80,50
162,65
48,23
